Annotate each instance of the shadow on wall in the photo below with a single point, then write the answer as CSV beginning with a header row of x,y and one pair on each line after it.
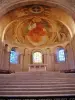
x,y
6,71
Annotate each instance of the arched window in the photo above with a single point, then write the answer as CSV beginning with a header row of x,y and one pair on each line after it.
x,y
14,57
37,57
60,55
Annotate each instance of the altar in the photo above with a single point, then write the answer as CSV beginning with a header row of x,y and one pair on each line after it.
x,y
37,67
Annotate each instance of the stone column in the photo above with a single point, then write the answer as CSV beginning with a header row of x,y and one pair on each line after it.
x,y
45,57
71,58
5,59
73,55
21,61
25,60
2,58
67,67
52,62
1,54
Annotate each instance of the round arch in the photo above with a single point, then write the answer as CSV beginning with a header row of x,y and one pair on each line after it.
x,y
37,56
60,54
19,3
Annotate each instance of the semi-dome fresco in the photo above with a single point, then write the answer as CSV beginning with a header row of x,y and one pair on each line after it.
x,y
35,25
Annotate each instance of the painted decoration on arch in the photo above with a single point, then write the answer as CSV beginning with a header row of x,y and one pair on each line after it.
x,y
35,26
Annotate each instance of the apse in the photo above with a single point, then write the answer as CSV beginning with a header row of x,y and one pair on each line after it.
x,y
39,26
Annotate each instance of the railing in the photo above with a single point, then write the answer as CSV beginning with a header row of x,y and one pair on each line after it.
x,y
37,67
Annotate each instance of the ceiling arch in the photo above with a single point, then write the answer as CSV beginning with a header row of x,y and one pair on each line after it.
x,y
37,27
7,5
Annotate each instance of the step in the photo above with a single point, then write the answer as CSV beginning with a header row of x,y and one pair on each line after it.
x,y
38,89
67,79
36,96
27,82
58,92
8,83
39,85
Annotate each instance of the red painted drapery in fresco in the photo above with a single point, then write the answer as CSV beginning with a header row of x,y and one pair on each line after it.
x,y
36,32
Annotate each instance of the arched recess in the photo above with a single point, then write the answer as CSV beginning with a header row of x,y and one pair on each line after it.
x,y
67,27
60,54
37,57
60,59
70,56
14,56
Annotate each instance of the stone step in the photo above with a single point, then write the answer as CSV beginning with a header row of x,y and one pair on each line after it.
x,y
48,77
37,80
40,73
37,73
35,83
31,76
37,89
55,92
36,77
16,79
36,86
37,95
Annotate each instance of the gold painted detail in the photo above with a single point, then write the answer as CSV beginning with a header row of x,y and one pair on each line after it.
x,y
36,29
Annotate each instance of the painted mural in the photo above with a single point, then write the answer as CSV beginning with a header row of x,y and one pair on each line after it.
x,y
35,26
37,33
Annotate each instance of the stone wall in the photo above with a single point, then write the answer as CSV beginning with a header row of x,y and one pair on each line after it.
x,y
49,59
4,57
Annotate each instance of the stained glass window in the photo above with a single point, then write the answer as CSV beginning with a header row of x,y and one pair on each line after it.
x,y
14,57
37,57
61,55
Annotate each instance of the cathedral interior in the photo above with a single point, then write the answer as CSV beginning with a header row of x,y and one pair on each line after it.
x,y
37,48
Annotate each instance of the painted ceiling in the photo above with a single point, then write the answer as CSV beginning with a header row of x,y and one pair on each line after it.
x,y
36,26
